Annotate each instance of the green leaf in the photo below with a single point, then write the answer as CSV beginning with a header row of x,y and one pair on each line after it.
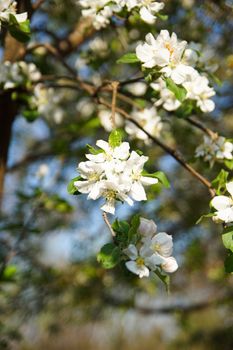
x,y
219,183
71,188
229,263
229,164
20,31
93,150
160,176
30,115
120,226
128,58
115,138
204,216
162,17
9,272
109,256
227,238
179,91
135,222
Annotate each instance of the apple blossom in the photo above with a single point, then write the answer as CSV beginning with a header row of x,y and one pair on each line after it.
x,y
7,8
114,174
148,119
214,149
224,206
167,98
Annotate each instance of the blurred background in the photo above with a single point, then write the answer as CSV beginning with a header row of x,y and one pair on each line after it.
x,y
53,293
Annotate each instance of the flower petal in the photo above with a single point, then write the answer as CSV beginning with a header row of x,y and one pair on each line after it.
x,y
221,202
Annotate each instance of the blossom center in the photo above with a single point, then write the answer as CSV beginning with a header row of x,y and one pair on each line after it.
x,y
140,261
136,176
94,177
156,247
169,48
110,195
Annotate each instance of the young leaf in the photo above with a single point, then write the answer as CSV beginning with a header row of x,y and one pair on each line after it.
x,y
93,150
227,238
229,263
20,31
179,91
109,256
71,188
210,215
115,138
160,176
128,58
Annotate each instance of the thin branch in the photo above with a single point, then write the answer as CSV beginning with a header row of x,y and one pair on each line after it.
x,y
165,147
202,127
114,86
105,217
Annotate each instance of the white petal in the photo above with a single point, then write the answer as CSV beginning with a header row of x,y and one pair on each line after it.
x,y
131,252
109,207
103,145
147,227
141,271
146,180
21,17
163,244
154,261
226,215
221,202
146,15
169,265
229,187
137,192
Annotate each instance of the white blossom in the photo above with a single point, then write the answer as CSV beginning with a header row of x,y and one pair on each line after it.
x,y
133,173
7,8
167,98
18,73
198,89
216,148
165,51
149,120
152,252
114,174
105,117
224,206
48,102
139,261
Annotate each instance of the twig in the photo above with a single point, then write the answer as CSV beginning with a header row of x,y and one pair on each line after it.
x,y
105,217
202,127
165,147
114,86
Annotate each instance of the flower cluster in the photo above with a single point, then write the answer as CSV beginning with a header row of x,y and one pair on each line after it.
x,y
114,173
8,8
149,120
153,251
216,148
47,102
224,206
175,60
17,74
102,10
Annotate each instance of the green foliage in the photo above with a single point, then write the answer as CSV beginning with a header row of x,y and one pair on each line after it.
x,y
9,273
219,183
115,138
109,256
93,150
227,238
20,31
160,176
71,188
179,91
229,263
128,58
